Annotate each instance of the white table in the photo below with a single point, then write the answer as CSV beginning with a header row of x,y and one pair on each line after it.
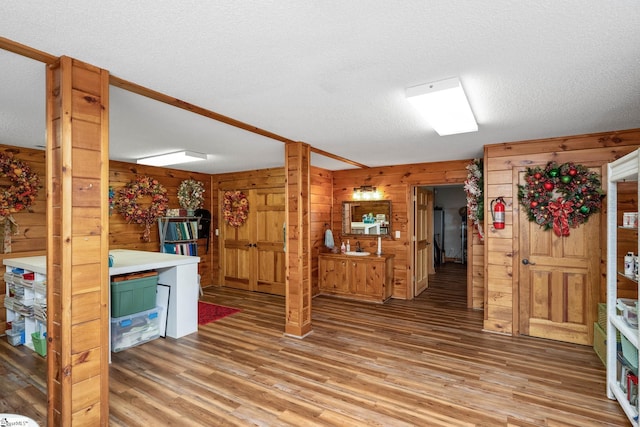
x,y
179,272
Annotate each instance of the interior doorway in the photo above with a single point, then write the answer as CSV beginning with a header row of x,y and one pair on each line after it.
x,y
445,224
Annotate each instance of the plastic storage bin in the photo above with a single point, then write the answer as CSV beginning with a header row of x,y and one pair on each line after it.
x,y
15,336
133,293
629,310
629,352
39,343
600,342
602,315
135,329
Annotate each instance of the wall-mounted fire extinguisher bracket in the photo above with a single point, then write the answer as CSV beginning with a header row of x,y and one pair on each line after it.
x,y
497,213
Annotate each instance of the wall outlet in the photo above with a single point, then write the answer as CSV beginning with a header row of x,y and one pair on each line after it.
x,y
397,234
217,232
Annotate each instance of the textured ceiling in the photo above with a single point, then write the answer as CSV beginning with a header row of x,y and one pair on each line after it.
x,y
330,73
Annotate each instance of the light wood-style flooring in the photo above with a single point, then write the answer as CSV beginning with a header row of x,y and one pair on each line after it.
x,y
405,363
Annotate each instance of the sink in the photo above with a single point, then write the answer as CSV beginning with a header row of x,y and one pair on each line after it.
x,y
352,253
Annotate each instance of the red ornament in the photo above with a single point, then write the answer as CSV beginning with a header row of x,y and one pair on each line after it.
x,y
533,204
537,175
573,172
548,186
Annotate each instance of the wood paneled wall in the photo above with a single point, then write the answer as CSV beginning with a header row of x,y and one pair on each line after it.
x,y
32,223
321,217
129,236
475,269
395,183
500,161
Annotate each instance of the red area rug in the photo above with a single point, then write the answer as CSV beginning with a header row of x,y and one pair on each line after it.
x,y
209,312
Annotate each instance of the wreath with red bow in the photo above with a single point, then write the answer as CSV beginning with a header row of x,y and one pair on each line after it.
x,y
560,196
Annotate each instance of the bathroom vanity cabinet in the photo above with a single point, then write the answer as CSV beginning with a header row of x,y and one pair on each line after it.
x,y
366,278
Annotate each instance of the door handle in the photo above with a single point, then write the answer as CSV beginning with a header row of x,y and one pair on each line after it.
x,y
527,262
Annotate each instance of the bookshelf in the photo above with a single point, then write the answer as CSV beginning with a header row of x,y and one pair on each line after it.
x,y
179,235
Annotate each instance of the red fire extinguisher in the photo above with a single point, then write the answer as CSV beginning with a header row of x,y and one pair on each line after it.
x,y
497,213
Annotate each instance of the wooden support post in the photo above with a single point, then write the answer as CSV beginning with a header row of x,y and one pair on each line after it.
x,y
298,240
77,244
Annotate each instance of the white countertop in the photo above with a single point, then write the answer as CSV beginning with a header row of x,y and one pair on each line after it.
x,y
37,264
125,261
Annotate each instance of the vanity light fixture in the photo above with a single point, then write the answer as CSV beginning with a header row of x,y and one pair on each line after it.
x,y
172,158
365,192
445,106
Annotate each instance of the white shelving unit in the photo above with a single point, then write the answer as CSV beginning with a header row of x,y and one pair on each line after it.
x,y
624,169
26,298
179,234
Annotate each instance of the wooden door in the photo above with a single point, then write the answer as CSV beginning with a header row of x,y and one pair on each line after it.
x,y
423,236
269,250
559,279
253,255
236,249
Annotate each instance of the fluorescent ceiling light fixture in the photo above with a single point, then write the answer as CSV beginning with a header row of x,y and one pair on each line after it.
x,y
444,105
172,158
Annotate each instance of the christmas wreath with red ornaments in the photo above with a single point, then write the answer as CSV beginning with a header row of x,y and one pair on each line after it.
x,y
560,197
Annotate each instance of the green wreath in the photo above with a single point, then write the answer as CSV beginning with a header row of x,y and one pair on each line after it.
x,y
560,196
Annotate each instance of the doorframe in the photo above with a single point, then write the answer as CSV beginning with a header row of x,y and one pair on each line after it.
x,y
515,248
412,247
414,240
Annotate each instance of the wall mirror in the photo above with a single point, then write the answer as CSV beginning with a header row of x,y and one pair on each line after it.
x,y
371,217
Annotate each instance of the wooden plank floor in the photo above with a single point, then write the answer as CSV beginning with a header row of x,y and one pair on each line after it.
x,y
405,363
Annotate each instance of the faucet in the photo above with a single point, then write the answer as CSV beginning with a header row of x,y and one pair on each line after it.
x,y
358,248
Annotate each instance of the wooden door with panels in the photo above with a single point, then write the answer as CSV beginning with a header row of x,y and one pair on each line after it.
x,y
558,280
253,255
423,236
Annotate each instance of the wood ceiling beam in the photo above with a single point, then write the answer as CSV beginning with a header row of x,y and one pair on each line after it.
x,y
335,157
158,96
47,58
26,51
